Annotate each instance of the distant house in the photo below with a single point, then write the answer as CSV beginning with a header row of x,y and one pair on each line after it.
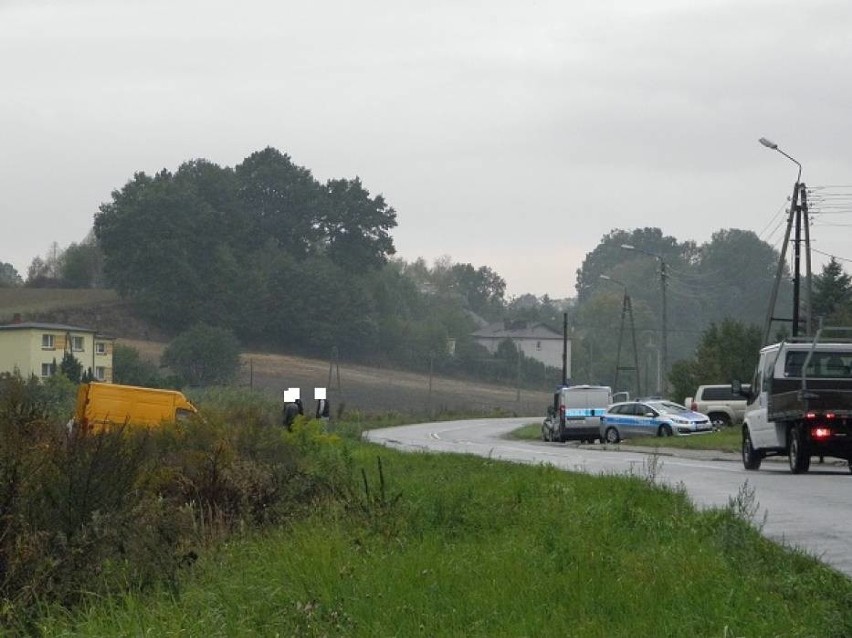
x,y
535,340
32,348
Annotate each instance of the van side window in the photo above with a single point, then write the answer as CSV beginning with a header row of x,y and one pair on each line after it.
x,y
182,415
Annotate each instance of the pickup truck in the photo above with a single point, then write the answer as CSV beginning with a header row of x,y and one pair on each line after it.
x,y
800,402
719,403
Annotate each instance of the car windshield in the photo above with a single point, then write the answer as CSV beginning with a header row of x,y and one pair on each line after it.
x,y
668,407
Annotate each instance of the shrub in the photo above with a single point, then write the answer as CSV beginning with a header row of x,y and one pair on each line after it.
x,y
128,508
204,355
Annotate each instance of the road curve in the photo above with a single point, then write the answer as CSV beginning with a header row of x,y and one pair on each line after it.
x,y
811,511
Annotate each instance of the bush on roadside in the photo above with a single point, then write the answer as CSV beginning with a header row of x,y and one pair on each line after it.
x,y
127,509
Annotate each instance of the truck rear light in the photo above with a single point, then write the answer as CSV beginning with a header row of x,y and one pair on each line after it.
x,y
820,433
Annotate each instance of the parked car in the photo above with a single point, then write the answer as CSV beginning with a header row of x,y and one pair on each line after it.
x,y
650,418
720,403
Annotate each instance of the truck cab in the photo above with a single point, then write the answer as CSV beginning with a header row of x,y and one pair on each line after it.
x,y
800,402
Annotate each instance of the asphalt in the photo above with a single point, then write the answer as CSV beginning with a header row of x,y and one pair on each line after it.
x,y
702,455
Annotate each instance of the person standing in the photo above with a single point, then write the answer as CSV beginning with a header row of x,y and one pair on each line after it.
x,y
291,411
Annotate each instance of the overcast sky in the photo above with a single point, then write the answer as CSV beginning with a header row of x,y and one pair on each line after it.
x,y
507,134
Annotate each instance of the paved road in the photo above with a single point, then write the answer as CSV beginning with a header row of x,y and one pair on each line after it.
x,y
812,511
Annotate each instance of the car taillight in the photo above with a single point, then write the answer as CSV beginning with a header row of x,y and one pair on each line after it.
x,y
820,433
828,416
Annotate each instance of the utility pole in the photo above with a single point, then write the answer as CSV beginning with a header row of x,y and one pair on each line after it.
x,y
564,348
664,382
626,312
806,222
798,215
797,242
627,309
663,361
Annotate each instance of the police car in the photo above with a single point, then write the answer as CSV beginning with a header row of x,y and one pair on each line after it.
x,y
651,418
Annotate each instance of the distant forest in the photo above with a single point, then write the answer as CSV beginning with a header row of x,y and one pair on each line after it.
x,y
288,263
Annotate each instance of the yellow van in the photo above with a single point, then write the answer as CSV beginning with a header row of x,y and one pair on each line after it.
x,y
102,405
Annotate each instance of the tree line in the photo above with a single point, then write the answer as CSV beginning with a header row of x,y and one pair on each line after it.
x,y
283,261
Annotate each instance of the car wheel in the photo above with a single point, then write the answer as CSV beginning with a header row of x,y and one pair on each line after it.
x,y
665,430
720,420
797,452
611,435
751,458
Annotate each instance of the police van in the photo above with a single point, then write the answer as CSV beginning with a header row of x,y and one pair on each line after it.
x,y
576,413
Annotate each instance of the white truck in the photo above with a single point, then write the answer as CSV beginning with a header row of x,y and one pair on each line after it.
x,y
576,412
719,403
800,402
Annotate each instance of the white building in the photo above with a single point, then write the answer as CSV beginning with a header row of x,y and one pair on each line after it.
x,y
535,340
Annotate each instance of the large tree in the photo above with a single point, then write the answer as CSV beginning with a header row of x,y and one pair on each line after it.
x,y
733,277
832,291
220,245
9,277
356,227
157,236
279,201
81,265
204,355
728,350
730,276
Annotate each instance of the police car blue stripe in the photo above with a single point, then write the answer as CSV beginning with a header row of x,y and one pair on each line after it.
x,y
584,412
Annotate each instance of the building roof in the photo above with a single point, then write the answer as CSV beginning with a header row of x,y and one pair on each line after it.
x,y
37,325
517,330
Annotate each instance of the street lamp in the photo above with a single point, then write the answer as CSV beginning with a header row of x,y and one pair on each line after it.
x,y
662,377
626,309
797,211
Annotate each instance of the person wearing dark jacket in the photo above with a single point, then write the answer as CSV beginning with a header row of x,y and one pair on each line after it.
x,y
291,411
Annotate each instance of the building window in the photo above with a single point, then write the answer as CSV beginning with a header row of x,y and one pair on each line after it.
x,y
538,345
47,342
46,370
100,348
77,344
100,373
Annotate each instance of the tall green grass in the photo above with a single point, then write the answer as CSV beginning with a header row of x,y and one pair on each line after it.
x,y
433,545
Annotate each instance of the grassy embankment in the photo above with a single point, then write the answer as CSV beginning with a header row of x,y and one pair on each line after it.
x,y
725,440
28,301
447,545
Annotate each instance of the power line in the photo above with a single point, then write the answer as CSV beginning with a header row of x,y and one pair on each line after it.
x,y
830,255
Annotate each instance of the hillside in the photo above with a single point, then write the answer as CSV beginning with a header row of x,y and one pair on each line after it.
x,y
95,308
369,388
355,386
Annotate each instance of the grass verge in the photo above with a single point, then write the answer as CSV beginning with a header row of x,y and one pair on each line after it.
x,y
447,545
725,440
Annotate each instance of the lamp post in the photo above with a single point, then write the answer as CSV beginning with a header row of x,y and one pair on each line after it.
x,y
626,310
662,376
797,211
